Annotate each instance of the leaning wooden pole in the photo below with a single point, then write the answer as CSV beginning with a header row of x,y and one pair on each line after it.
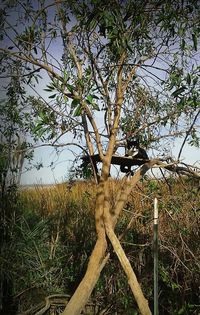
x,y
155,247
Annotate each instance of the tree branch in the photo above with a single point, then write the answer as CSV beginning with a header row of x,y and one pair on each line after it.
x,y
187,134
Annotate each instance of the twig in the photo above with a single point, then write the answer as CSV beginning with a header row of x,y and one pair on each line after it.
x,y
187,134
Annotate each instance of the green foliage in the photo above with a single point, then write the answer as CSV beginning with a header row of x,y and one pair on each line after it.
x,y
52,237
14,149
186,87
15,125
92,37
80,172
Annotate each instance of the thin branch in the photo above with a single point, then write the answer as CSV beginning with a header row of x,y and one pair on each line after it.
x,y
175,254
129,184
152,74
80,75
34,62
187,134
59,113
93,123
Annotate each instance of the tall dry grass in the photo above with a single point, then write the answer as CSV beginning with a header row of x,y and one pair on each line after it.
x,y
72,208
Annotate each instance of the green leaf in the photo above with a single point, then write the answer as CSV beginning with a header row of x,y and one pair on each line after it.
x,y
36,79
78,110
89,98
194,38
65,98
178,91
181,311
37,127
42,131
41,115
35,50
195,80
70,87
74,103
94,96
49,88
95,106
188,79
65,75
183,44
53,34
52,96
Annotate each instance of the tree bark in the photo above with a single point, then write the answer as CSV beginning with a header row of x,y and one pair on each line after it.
x,y
97,259
132,280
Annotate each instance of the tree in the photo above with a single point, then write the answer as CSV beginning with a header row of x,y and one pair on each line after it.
x,y
15,125
14,128
114,68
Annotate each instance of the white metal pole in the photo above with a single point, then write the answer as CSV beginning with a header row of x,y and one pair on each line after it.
x,y
155,247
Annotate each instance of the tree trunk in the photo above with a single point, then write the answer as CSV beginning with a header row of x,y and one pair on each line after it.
x,y
132,280
97,259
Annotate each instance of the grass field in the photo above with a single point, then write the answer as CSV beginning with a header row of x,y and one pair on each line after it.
x,y
52,233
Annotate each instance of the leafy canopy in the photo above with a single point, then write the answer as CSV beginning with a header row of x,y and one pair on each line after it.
x,y
114,67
